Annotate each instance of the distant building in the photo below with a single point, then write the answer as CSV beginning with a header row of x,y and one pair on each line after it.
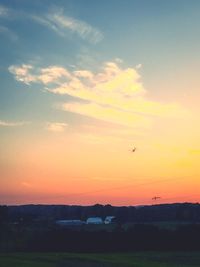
x,y
109,219
64,223
94,220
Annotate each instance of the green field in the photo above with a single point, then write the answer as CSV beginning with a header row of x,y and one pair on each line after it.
x,y
139,259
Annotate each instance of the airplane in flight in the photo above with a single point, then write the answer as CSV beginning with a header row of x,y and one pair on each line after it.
x,y
133,150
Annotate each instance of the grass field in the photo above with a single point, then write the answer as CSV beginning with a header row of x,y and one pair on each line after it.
x,y
139,259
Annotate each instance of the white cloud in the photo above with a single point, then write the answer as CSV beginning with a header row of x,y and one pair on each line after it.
x,y
52,73
113,94
61,24
138,66
56,126
27,74
118,60
12,124
22,73
84,74
3,11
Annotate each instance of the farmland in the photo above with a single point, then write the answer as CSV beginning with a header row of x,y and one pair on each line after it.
x,y
137,259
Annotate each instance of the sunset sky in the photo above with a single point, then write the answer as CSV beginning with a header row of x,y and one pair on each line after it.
x,y
82,82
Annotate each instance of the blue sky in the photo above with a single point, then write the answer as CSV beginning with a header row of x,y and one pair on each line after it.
x,y
151,33
87,68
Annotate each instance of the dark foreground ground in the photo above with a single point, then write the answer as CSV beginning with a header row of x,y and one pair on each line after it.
x,y
139,259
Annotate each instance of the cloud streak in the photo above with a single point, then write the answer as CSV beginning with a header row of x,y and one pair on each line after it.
x,y
12,124
61,24
58,22
112,94
9,33
56,126
3,11
107,113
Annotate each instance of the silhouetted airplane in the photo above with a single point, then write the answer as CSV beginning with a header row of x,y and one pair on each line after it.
x,y
133,150
155,198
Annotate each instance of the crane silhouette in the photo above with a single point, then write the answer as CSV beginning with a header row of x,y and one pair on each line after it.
x,y
155,198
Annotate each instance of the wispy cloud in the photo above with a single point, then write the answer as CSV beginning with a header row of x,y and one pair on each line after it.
x,y
62,24
110,114
113,93
43,20
12,124
3,11
138,66
56,126
58,22
4,30
7,13
26,184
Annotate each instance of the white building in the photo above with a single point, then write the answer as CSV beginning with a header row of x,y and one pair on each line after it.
x,y
109,219
94,220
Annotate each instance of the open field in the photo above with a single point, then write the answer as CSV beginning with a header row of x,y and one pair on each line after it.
x,y
139,259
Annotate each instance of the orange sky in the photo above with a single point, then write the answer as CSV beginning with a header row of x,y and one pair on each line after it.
x,y
95,165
